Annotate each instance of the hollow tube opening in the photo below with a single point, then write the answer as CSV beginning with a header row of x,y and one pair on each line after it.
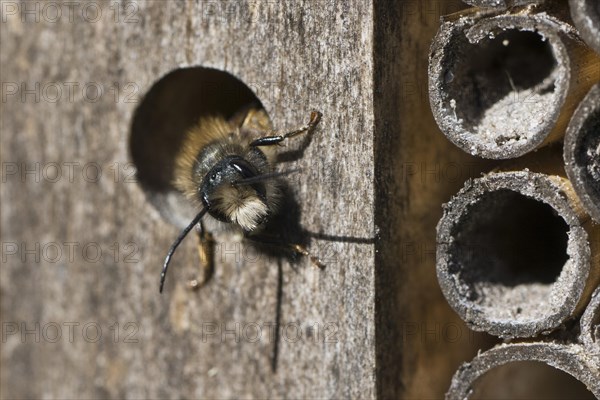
x,y
586,16
510,250
587,154
529,380
502,86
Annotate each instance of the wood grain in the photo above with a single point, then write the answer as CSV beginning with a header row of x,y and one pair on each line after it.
x,y
372,184
420,341
296,56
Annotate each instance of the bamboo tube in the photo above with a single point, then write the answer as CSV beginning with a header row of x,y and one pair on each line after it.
x,y
586,16
582,152
502,84
476,379
516,253
590,327
500,3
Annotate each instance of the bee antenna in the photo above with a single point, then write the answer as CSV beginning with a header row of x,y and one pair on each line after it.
x,y
179,239
263,177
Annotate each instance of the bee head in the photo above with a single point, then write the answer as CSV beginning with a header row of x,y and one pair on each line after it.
x,y
230,195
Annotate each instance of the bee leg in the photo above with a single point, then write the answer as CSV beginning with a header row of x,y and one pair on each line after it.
x,y
299,249
315,117
206,244
252,117
294,247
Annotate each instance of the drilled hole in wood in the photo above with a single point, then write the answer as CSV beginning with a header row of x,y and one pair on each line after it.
x,y
172,106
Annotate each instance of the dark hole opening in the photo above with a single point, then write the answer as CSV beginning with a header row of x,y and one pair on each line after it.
x,y
168,110
173,105
509,239
587,153
529,380
486,72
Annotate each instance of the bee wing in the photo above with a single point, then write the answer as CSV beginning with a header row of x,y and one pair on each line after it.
x,y
253,121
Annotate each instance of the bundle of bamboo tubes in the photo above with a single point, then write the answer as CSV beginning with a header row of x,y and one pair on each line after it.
x,y
518,250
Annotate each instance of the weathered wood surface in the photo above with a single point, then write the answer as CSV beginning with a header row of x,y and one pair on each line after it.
x,y
420,341
297,56
384,327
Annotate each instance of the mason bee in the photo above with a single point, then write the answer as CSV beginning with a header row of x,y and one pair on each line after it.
x,y
226,169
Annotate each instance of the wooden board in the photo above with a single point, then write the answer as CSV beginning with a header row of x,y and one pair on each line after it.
x,y
296,56
420,341
365,189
